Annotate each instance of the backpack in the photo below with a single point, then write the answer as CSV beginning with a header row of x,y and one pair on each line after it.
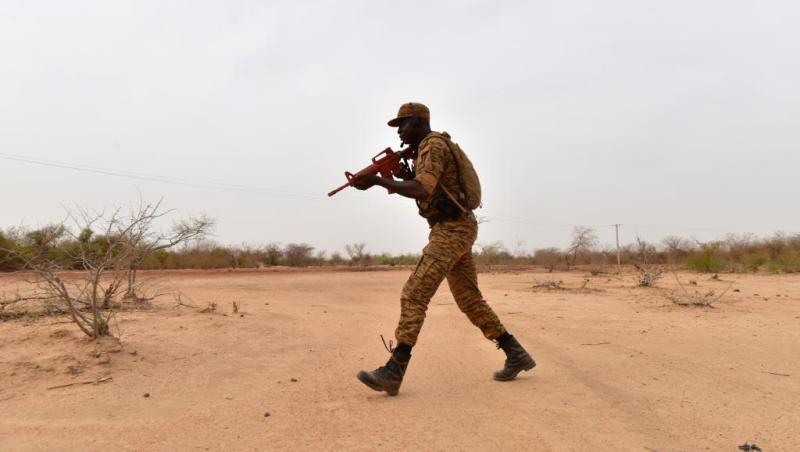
x,y
467,176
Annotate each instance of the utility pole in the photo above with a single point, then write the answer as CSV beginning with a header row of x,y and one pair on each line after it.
x,y
619,260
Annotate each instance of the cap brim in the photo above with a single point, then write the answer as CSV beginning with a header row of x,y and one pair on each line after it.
x,y
396,121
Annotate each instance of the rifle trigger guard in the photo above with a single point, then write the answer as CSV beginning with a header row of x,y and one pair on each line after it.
x,y
349,175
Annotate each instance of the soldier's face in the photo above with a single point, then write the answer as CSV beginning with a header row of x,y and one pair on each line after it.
x,y
410,130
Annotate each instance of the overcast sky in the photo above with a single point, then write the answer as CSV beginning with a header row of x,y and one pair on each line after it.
x,y
670,117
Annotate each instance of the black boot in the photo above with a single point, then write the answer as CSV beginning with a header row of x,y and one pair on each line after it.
x,y
517,359
389,377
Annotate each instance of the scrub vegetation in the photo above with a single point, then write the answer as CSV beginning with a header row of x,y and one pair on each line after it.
x,y
779,253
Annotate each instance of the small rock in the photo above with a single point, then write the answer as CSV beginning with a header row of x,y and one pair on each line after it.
x,y
267,414
60,334
103,358
109,344
736,290
241,315
134,353
293,380
146,395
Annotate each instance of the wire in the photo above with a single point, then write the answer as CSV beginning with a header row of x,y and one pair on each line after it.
x,y
276,192
158,178
294,194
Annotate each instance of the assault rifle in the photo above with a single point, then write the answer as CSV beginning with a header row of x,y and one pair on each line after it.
x,y
387,163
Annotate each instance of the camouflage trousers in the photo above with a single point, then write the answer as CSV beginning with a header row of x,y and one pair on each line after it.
x,y
447,255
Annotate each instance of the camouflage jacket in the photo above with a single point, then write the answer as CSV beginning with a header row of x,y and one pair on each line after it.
x,y
435,167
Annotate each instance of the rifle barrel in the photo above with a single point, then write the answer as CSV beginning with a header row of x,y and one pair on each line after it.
x,y
339,189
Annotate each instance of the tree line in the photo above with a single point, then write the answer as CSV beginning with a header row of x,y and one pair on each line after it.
x,y
779,253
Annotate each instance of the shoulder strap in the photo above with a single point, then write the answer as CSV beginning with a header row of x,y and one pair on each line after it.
x,y
444,136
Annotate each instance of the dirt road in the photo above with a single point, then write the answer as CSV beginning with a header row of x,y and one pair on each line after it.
x,y
620,368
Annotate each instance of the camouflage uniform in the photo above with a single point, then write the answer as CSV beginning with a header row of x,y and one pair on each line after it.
x,y
448,253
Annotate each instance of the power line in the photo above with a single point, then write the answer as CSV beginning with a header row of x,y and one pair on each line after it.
x,y
294,194
194,183
159,178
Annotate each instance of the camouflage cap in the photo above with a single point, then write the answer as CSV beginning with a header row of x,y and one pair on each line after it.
x,y
410,110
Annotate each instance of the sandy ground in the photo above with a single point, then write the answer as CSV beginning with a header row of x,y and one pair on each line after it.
x,y
620,368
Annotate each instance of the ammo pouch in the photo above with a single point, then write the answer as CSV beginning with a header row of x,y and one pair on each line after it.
x,y
447,210
446,207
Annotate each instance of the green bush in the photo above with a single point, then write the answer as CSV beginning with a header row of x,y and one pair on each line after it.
x,y
788,261
753,262
707,260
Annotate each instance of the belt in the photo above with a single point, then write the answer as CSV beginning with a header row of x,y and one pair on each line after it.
x,y
439,218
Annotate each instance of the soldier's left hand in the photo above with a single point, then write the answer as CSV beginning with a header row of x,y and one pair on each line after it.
x,y
402,173
365,182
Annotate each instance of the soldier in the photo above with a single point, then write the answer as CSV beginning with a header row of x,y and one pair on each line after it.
x,y
435,182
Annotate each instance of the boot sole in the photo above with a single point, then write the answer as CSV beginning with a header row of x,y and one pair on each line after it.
x,y
526,367
363,377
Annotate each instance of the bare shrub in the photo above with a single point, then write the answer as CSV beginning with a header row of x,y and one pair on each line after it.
x,y
105,248
553,285
693,297
144,241
647,276
549,284
180,303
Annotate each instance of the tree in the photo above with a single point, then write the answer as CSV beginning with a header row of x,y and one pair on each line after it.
x,y
298,254
493,254
548,257
272,254
645,251
676,248
583,239
9,242
358,254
